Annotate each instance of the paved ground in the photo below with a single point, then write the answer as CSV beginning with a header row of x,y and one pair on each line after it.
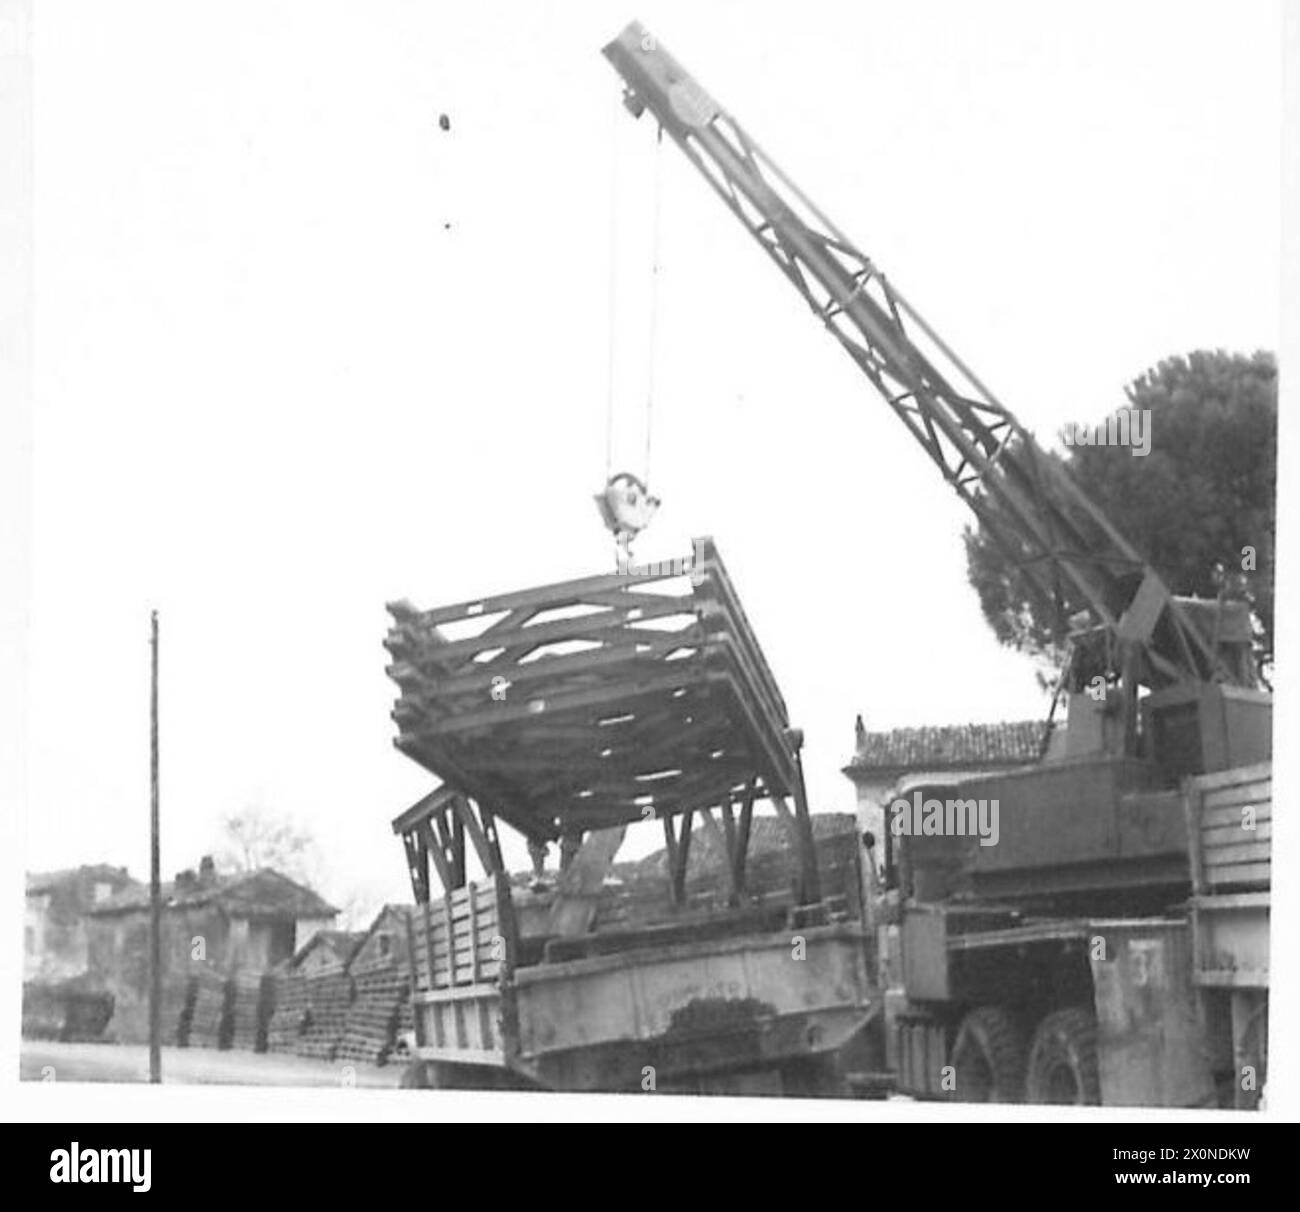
x,y
192,1066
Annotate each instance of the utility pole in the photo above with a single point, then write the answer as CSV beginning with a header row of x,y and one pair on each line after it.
x,y
155,885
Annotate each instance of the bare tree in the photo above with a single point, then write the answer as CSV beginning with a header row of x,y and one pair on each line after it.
x,y
357,908
255,837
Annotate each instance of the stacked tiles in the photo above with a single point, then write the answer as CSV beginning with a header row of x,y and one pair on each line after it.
x,y
210,1020
329,997
178,1008
250,1008
288,1019
405,1020
370,1032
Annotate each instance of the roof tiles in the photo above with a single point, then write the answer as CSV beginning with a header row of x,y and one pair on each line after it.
x,y
948,746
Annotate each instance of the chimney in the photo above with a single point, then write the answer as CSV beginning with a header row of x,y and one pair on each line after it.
x,y
207,871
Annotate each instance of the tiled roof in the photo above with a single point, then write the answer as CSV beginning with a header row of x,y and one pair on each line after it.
x,y
948,746
261,893
399,914
341,944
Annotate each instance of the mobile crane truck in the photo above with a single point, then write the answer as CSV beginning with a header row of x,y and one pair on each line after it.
x,y
1111,948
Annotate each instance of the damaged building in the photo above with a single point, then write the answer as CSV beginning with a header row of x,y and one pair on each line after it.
x,y
212,923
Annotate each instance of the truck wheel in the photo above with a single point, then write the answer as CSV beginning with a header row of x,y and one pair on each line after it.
x,y
813,1077
1063,1060
989,1058
418,1075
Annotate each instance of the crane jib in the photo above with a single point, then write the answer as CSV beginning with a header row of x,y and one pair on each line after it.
x,y
1027,502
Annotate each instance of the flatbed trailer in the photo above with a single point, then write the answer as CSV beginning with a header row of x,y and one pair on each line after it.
x,y
571,712
722,1002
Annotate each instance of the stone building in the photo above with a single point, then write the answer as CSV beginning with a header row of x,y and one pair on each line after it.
x,y
227,924
55,942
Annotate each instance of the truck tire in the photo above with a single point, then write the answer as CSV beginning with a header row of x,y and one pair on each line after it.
x,y
813,1077
1063,1060
418,1075
988,1057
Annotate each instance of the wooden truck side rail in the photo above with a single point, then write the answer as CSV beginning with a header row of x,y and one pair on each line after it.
x,y
736,994
1230,817
461,953
1230,831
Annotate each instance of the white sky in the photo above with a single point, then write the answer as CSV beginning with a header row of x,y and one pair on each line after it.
x,y
274,391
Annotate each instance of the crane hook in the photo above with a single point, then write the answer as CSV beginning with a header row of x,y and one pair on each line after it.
x,y
627,508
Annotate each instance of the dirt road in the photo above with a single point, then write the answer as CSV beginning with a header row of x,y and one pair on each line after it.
x,y
41,1060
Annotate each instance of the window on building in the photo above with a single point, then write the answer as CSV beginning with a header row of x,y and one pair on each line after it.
x,y
282,939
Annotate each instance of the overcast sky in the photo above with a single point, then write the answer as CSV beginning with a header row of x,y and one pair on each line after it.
x,y
300,352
